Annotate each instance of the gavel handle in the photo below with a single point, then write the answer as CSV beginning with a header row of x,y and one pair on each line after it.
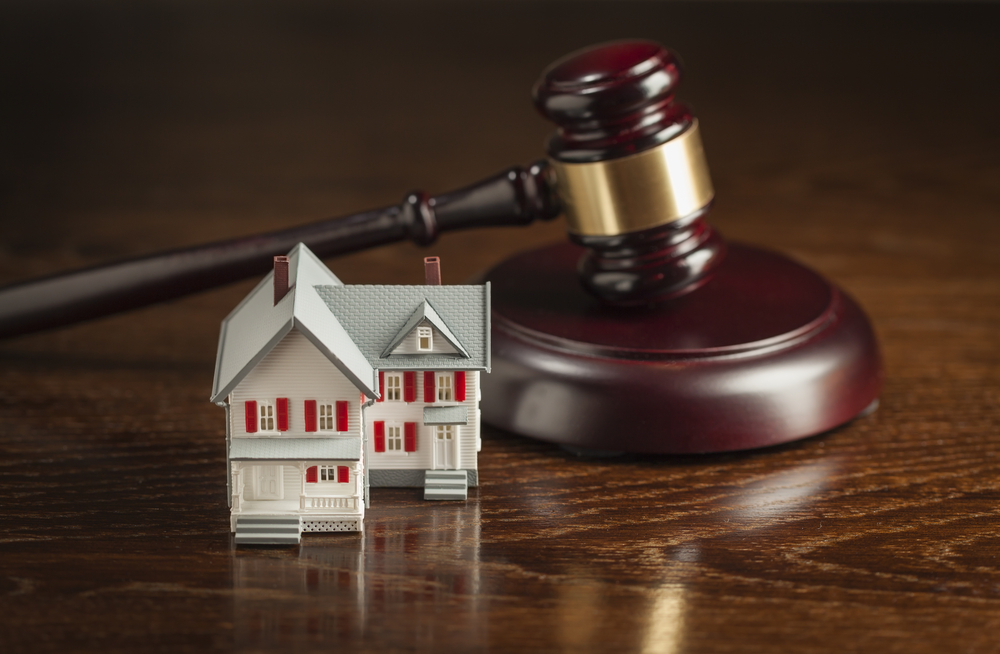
x,y
517,196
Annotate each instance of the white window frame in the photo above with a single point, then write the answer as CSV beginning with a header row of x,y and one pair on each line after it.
x,y
393,393
329,474
394,435
267,410
326,418
442,432
422,333
444,387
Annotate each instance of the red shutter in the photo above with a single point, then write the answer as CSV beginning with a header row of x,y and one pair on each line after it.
x,y
410,436
460,386
429,390
410,386
381,386
282,413
379,435
251,408
343,475
311,475
310,414
342,416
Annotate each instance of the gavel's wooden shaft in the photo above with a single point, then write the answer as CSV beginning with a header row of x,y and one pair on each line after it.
x,y
516,196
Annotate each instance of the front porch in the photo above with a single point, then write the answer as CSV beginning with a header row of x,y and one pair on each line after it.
x,y
296,489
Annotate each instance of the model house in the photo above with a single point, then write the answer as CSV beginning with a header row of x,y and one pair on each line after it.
x,y
330,389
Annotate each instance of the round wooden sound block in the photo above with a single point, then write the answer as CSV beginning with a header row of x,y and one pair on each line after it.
x,y
765,352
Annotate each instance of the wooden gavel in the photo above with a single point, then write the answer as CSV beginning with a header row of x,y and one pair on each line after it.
x,y
760,350
626,167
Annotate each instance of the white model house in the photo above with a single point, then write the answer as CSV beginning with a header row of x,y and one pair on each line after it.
x,y
330,389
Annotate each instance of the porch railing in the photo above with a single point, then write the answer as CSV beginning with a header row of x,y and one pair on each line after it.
x,y
313,502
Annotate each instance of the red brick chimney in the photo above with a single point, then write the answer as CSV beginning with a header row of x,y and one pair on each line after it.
x,y
432,271
280,278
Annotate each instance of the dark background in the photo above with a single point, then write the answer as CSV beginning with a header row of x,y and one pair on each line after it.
x,y
860,139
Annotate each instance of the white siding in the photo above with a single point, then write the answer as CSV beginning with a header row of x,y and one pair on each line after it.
x,y
414,412
297,370
293,481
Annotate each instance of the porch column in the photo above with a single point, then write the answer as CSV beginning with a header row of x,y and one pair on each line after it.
x,y
238,486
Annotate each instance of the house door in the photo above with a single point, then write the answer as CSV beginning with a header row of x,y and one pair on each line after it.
x,y
268,483
445,447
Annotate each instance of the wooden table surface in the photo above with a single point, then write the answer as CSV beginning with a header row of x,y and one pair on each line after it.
x,y
862,140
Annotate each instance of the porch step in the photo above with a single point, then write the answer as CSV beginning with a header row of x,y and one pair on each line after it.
x,y
446,485
268,530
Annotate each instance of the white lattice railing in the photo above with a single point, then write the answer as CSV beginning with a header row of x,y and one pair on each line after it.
x,y
313,502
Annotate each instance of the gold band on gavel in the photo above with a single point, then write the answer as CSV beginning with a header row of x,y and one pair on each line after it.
x,y
655,187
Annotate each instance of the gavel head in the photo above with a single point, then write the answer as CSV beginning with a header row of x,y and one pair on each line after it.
x,y
630,172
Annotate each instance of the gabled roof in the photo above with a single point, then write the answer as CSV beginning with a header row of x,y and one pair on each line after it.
x,y
353,326
254,327
374,316
425,312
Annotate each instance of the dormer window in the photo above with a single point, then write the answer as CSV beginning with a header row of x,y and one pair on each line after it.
x,y
424,333
425,341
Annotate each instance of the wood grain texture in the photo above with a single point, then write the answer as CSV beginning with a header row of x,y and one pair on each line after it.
x,y
859,139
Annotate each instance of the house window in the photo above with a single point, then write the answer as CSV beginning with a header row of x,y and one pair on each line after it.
x,y
333,416
445,433
425,341
266,416
393,387
340,474
444,388
326,417
394,438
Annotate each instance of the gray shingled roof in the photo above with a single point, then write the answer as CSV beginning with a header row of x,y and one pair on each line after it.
x,y
373,315
247,449
351,325
446,415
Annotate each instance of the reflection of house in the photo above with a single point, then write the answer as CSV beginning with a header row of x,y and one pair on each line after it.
x,y
331,388
326,583
342,589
